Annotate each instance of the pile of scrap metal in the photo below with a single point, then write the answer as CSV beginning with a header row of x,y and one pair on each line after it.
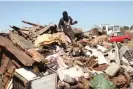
x,y
42,57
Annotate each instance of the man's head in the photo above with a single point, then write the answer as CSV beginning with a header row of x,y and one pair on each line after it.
x,y
65,15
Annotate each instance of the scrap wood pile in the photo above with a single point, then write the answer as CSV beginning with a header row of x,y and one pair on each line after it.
x,y
42,57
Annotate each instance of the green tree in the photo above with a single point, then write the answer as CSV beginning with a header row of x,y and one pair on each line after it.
x,y
125,27
131,28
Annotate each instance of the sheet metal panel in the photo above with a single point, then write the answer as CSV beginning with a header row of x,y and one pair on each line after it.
x,y
46,82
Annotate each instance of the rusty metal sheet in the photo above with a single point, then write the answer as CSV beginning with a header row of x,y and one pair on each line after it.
x,y
19,54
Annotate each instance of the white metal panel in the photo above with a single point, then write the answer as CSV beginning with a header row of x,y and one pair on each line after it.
x,y
27,74
46,82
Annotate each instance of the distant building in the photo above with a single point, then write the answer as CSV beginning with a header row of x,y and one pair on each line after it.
x,y
110,28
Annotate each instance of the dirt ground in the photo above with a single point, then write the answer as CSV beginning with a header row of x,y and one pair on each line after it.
x,y
130,43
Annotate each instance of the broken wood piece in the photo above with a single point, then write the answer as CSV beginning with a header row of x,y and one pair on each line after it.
x,y
16,64
33,24
19,31
36,55
85,82
15,53
20,41
40,32
5,60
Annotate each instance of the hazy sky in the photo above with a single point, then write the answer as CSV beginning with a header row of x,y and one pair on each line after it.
x,y
87,13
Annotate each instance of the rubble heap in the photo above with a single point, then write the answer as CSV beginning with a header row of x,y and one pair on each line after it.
x,y
42,57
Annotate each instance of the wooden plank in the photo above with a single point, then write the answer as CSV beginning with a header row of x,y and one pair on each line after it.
x,y
22,42
40,32
16,53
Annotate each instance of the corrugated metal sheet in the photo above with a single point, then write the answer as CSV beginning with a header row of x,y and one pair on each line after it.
x,y
46,82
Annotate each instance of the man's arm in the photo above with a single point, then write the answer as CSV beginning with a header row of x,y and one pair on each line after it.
x,y
60,23
71,20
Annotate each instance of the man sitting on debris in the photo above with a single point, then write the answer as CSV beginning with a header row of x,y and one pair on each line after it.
x,y
64,25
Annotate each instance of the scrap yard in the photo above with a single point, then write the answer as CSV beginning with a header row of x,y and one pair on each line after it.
x,y
43,57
